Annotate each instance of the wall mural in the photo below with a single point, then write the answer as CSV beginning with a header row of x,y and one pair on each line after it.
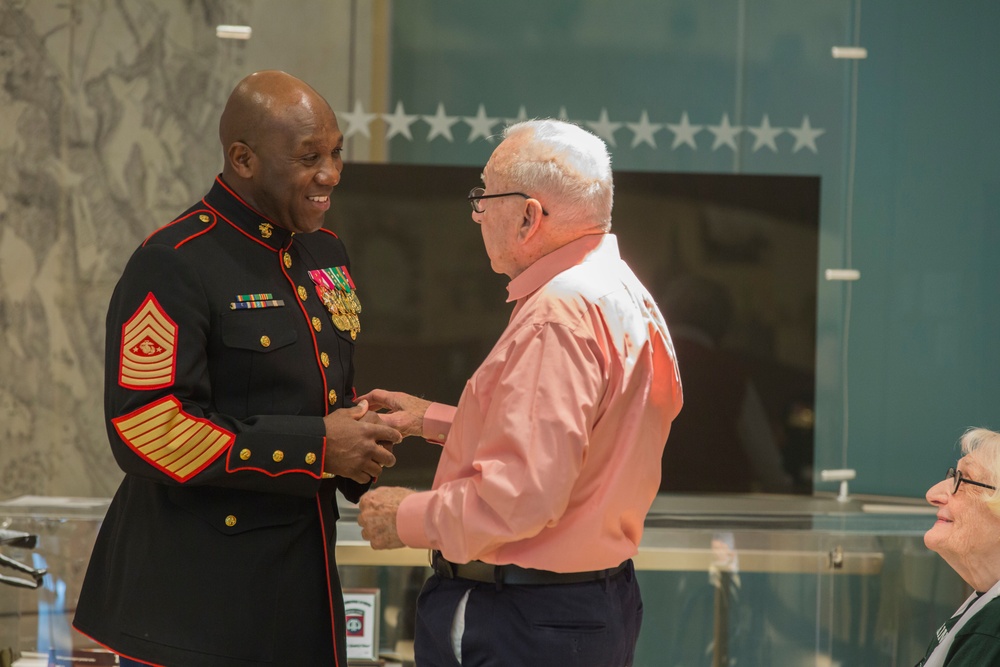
x,y
101,140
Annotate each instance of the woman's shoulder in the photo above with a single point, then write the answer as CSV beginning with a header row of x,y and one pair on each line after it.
x,y
977,642
986,621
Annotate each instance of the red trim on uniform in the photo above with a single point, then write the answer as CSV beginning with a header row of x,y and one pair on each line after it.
x,y
312,332
171,440
208,227
218,179
241,230
322,459
148,351
331,233
268,472
118,653
284,272
329,587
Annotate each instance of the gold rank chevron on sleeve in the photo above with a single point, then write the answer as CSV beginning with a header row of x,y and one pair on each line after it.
x,y
149,341
173,441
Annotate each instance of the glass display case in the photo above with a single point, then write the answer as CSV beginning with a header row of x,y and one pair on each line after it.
x,y
745,580
35,623
726,580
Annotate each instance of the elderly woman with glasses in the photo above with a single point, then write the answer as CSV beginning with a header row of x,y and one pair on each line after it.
x,y
967,535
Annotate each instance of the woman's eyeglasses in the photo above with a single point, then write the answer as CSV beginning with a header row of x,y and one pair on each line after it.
x,y
959,478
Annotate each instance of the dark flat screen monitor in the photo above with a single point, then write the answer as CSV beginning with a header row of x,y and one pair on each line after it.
x,y
731,260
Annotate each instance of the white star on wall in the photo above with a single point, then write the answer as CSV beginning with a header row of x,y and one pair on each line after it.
x,y
440,124
805,136
480,125
684,132
644,130
604,128
357,120
522,115
764,135
725,134
399,122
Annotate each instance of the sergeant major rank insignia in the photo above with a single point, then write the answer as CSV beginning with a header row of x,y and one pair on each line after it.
x,y
148,348
337,292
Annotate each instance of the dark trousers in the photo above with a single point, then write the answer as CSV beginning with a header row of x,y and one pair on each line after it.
x,y
592,624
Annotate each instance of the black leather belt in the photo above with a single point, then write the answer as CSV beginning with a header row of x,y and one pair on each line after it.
x,y
515,575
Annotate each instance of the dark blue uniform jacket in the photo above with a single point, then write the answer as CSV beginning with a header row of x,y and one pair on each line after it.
x,y
218,548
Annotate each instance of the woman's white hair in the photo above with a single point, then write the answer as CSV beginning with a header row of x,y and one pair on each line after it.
x,y
564,162
984,444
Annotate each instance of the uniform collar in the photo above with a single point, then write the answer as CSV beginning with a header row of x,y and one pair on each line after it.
x,y
585,248
231,207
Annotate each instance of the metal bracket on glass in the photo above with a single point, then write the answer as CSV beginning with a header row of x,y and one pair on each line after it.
x,y
25,541
841,475
836,558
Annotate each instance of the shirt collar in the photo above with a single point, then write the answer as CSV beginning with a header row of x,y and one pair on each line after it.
x,y
241,215
585,248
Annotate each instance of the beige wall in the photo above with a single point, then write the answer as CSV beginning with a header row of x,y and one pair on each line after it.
x,y
108,129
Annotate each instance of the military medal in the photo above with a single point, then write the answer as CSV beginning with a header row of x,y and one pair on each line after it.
x,y
245,301
337,292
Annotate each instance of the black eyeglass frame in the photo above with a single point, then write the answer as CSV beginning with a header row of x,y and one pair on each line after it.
x,y
474,198
956,474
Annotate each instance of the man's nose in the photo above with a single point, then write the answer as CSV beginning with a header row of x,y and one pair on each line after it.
x,y
328,174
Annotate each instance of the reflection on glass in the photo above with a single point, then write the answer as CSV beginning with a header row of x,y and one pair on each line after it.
x,y
730,258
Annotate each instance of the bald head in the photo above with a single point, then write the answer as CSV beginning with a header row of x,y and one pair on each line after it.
x,y
281,149
262,99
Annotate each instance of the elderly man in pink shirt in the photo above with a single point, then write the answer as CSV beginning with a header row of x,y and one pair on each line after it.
x,y
551,460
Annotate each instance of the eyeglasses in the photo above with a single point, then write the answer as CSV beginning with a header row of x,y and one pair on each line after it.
x,y
475,194
959,478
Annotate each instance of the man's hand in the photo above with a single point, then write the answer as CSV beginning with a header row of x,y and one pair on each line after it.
x,y
406,412
378,516
354,444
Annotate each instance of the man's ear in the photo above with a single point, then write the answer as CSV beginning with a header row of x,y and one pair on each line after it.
x,y
531,223
242,158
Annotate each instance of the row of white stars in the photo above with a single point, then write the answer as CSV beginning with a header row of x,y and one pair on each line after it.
x,y
359,122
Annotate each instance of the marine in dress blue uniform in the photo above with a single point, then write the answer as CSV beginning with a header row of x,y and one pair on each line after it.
x,y
230,341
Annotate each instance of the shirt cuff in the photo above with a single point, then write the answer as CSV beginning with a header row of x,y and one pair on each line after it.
x,y
437,422
410,520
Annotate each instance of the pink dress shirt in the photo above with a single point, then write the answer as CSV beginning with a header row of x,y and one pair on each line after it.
x,y
552,458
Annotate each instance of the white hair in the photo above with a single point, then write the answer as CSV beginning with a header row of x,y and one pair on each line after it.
x,y
565,162
984,444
